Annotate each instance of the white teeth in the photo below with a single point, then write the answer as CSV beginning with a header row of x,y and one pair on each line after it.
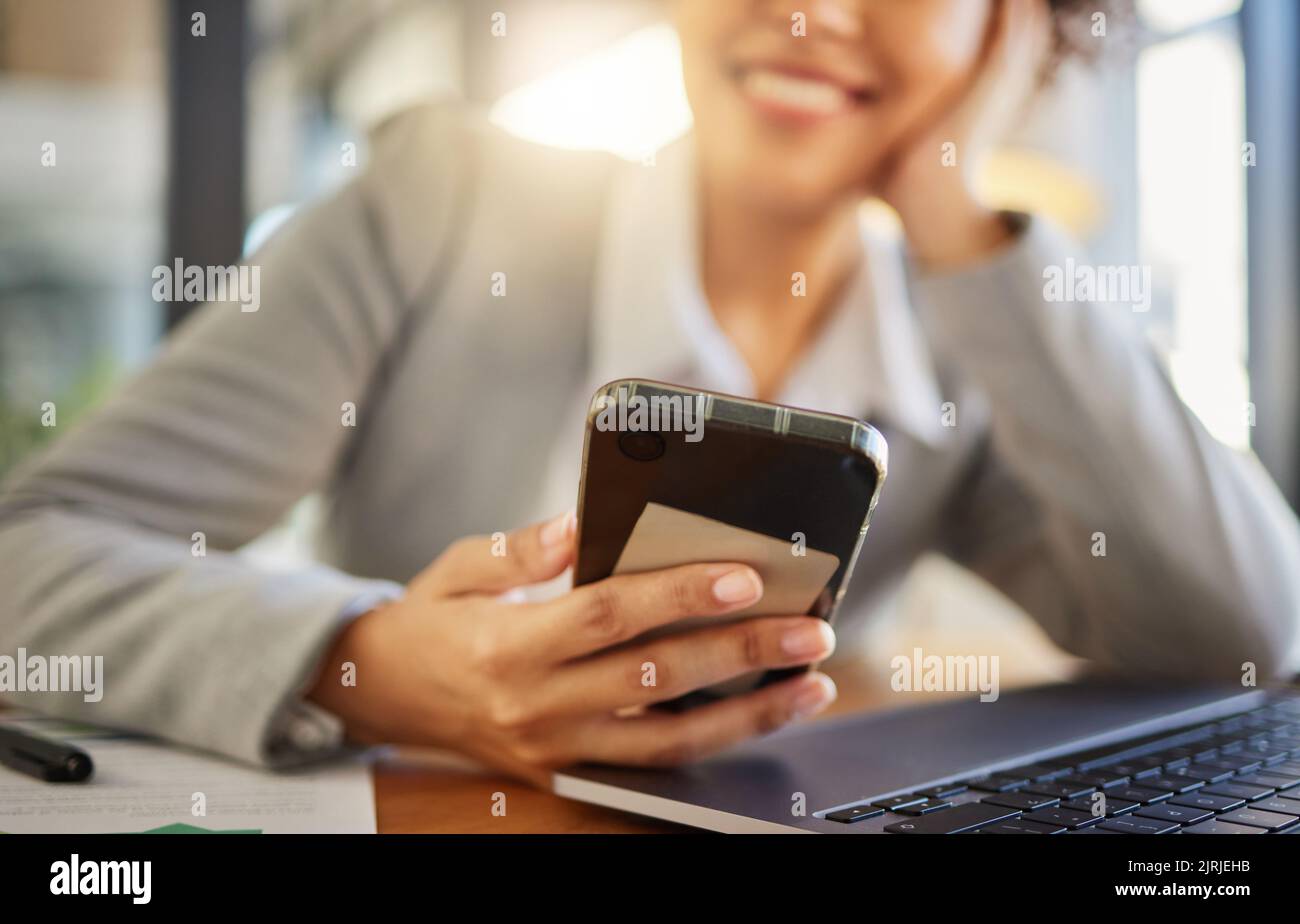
x,y
816,97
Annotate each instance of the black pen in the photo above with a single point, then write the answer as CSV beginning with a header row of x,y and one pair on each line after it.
x,y
42,758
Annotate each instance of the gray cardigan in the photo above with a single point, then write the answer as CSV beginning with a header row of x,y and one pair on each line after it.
x,y
380,296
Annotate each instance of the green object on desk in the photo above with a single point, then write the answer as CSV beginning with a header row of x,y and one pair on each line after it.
x,y
183,828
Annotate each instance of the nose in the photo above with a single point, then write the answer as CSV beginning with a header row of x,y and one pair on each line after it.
x,y
842,19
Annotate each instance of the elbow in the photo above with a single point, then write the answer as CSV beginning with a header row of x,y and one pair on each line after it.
x,y
1261,619
1246,625
1238,643
1271,643
1209,640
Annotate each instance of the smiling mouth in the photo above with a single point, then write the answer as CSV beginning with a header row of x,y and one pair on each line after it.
x,y
800,96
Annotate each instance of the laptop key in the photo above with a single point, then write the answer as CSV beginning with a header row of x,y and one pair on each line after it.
x,y
1217,826
1235,764
1137,769
1100,780
1131,824
1038,772
1200,772
894,803
1060,790
1140,794
1239,791
956,820
1264,778
1269,821
1204,800
1205,739
1175,785
1113,807
1178,814
1064,817
1026,801
1278,804
854,813
942,791
924,808
1264,751
1019,826
995,783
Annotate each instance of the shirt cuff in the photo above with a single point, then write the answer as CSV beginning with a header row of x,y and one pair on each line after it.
x,y
302,731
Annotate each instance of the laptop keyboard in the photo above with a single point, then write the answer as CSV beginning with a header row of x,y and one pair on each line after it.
x,y
1239,775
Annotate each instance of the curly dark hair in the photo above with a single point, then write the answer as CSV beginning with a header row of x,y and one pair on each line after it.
x,y
1072,23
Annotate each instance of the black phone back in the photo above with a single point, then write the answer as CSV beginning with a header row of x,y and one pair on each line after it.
x,y
794,475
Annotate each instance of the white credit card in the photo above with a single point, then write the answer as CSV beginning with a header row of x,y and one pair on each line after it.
x,y
665,537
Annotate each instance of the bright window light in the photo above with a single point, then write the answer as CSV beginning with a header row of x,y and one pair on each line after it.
x,y
1176,15
1192,215
626,98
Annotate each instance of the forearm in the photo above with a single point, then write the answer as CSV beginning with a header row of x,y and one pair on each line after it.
x,y
210,652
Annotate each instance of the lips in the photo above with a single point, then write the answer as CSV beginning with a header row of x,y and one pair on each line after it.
x,y
798,93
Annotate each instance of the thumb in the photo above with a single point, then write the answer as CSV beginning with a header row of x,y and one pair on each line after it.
x,y
503,561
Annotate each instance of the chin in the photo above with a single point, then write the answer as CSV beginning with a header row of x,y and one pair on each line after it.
x,y
797,166
788,179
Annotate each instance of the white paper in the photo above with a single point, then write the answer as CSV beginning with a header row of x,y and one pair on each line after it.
x,y
140,785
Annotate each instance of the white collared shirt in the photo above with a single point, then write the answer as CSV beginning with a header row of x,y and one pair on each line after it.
x,y
651,319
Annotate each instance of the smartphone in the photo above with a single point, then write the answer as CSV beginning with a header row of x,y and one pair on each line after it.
x,y
672,475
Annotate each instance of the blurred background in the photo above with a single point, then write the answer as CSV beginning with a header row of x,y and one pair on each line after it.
x,y
170,145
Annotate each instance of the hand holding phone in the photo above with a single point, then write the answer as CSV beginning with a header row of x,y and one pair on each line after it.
x,y
672,476
529,687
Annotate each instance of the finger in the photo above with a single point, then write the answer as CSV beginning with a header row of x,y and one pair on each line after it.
x,y
660,739
963,113
495,564
1003,51
668,667
1020,43
1038,35
620,608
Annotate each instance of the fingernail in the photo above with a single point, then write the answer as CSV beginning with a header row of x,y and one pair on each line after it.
x,y
817,693
739,586
815,640
559,529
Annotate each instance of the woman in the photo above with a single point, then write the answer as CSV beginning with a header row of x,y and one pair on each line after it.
x,y
427,343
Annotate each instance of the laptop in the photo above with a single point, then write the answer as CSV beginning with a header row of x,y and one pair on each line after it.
x,y
1084,758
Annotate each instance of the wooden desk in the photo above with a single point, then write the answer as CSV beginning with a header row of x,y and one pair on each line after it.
x,y
410,798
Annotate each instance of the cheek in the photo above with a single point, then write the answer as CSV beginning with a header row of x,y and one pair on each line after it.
x,y
703,30
947,38
956,32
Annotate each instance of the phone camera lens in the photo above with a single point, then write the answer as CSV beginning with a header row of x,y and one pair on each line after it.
x,y
644,447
